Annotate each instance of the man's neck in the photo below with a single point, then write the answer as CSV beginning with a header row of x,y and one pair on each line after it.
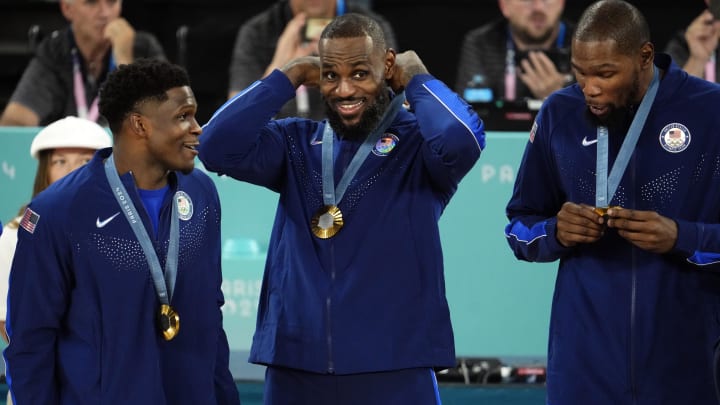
x,y
147,175
93,53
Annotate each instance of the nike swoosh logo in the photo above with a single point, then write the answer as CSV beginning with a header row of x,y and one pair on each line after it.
x,y
585,141
101,224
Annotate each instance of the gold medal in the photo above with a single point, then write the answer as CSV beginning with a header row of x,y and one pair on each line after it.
x,y
169,322
326,222
602,211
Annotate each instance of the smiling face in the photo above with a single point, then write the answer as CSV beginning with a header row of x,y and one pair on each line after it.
x,y
609,79
353,84
173,131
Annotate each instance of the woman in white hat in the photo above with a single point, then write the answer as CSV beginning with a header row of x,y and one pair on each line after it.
x,y
60,148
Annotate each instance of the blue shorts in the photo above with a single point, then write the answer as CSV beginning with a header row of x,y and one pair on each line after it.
x,y
417,386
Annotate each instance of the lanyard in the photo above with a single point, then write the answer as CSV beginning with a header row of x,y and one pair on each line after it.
x,y
91,114
511,69
605,186
710,69
332,196
164,283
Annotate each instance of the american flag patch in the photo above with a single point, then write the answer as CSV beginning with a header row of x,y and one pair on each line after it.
x,y
29,220
533,130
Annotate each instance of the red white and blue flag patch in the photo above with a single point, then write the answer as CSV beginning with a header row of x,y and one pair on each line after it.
x,y
29,220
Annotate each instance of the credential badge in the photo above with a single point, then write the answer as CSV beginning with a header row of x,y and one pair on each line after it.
x,y
675,138
185,205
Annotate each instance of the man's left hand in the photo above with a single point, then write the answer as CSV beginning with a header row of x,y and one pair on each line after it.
x,y
647,230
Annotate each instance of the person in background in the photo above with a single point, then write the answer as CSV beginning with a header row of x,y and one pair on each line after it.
x,y
286,30
523,55
696,47
69,65
618,183
328,274
114,290
59,148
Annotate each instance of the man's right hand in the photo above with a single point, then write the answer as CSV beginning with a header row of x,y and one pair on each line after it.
x,y
290,45
303,71
702,39
578,223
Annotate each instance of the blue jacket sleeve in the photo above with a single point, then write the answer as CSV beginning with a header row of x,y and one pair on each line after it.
x,y
699,243
241,139
535,202
454,133
40,282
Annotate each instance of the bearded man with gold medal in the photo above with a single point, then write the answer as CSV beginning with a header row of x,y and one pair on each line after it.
x,y
115,293
353,306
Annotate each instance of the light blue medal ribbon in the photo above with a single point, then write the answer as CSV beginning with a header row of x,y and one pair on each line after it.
x,y
605,186
164,282
328,220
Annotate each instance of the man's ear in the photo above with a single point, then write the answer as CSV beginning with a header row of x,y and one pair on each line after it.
x,y
389,63
138,124
647,54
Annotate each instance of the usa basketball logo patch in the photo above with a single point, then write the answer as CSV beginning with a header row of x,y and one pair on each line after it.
x,y
675,137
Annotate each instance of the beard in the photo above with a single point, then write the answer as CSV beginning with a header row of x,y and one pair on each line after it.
x,y
620,115
528,38
369,119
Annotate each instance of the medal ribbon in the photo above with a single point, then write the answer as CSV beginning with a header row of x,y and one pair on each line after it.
x,y
332,196
605,186
164,283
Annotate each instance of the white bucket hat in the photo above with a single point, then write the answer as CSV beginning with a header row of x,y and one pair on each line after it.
x,y
70,132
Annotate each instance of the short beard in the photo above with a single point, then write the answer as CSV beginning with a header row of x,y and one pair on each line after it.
x,y
368,121
620,117
525,36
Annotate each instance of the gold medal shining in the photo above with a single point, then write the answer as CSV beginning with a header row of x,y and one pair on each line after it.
x,y
326,222
169,322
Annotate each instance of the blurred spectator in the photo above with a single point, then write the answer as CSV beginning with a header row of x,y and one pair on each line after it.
x,y
695,48
286,30
523,55
70,64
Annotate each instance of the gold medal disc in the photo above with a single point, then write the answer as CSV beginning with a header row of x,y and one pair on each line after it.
x,y
169,322
326,222
602,211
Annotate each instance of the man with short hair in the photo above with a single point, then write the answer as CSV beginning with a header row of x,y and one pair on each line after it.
x,y
115,287
524,55
289,29
353,306
618,182
64,76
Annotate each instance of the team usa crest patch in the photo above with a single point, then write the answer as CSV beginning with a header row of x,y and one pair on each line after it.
x,y
675,137
184,205
385,144
29,220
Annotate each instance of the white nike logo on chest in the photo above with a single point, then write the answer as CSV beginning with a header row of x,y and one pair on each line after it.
x,y
585,141
101,224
